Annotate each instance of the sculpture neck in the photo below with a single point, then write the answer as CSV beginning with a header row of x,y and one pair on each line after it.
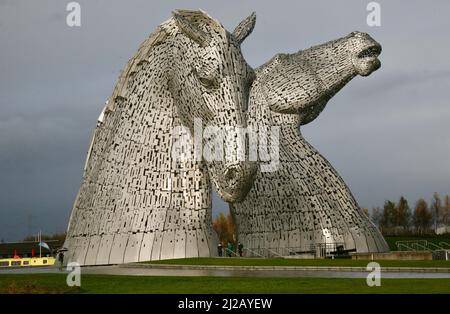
x,y
331,63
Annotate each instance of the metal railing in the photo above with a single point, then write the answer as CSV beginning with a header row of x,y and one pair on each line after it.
x,y
252,253
420,245
274,253
318,250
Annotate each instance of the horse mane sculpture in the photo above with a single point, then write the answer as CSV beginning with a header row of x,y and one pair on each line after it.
x,y
138,202
305,204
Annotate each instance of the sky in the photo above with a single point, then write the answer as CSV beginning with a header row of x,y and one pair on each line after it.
x,y
386,134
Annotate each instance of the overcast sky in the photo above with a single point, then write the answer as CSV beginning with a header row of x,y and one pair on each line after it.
x,y
387,134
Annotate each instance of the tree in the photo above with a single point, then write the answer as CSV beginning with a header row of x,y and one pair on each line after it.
x,y
231,228
365,211
224,226
55,236
221,227
377,216
436,209
389,214
422,216
445,215
403,214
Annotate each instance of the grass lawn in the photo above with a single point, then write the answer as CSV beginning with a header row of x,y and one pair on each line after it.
x,y
296,262
55,283
434,239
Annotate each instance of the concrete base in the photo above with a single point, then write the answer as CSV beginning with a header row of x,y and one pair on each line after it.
x,y
400,255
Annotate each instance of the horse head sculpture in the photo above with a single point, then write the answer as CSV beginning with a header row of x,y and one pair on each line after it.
x,y
311,77
210,81
305,204
137,202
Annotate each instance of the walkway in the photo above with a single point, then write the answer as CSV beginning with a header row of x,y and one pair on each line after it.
x,y
242,271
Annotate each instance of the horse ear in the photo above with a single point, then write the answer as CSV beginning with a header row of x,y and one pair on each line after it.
x,y
191,30
245,28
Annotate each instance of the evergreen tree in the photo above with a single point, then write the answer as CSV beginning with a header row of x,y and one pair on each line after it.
x,y
403,214
422,216
389,215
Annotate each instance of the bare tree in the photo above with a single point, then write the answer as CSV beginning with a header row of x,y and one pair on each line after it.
x,y
436,209
445,211
377,216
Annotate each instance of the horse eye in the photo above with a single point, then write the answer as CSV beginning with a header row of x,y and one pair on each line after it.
x,y
208,83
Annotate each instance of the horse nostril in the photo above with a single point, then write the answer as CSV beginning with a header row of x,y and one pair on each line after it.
x,y
230,174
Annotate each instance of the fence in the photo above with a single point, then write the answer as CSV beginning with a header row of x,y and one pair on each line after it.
x,y
317,250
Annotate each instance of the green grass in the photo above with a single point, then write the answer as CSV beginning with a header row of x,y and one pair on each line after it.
x,y
296,262
434,239
35,284
55,283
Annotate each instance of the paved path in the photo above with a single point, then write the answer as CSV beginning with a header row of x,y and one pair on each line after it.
x,y
226,271
287,268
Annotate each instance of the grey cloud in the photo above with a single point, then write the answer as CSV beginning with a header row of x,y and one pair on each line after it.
x,y
386,134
